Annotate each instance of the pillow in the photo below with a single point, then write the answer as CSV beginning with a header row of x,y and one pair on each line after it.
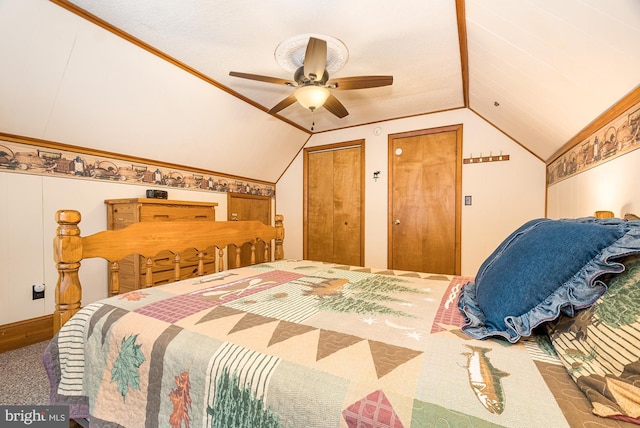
x,y
544,268
600,346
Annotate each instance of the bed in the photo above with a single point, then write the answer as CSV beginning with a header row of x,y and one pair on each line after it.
x,y
299,343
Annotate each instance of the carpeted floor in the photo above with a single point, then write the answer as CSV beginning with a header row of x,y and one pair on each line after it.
x,y
23,380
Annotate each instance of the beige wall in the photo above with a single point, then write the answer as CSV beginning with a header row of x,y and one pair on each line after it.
x,y
68,80
505,194
611,186
28,204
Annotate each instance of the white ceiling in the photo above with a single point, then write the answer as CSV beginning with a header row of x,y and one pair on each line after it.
x,y
215,37
539,70
551,66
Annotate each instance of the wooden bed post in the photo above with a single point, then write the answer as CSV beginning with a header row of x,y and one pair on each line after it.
x,y
67,253
279,250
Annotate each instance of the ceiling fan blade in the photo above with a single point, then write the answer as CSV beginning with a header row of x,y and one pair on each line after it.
x,y
260,78
315,59
283,104
334,106
360,82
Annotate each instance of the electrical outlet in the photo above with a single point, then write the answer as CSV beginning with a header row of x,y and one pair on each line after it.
x,y
38,291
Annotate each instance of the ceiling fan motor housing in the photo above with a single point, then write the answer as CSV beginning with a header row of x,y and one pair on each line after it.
x,y
303,80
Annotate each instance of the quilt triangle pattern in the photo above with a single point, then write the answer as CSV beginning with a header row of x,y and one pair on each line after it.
x,y
219,312
332,341
286,330
250,320
387,358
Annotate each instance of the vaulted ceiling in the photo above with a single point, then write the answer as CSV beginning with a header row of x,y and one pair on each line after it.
x,y
539,70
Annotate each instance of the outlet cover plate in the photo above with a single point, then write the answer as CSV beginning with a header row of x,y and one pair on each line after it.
x,y
37,294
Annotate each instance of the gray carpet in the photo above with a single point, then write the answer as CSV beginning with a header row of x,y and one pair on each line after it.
x,y
23,379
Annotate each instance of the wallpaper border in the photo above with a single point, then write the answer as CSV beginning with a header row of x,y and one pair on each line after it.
x,y
37,157
611,139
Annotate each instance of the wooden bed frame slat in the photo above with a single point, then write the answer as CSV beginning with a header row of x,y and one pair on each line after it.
x,y
148,239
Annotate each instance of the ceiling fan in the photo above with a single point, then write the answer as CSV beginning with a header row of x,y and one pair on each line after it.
x,y
312,82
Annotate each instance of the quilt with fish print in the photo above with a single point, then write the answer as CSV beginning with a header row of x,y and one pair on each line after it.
x,y
303,344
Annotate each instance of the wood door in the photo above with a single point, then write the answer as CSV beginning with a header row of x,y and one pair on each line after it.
x,y
334,203
424,207
242,206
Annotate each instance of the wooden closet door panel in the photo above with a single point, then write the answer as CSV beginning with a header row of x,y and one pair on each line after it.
x,y
242,207
249,207
320,207
347,188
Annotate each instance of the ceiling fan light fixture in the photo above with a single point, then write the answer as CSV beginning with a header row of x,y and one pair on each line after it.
x,y
311,96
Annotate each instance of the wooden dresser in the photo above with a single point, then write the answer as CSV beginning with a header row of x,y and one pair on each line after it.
x,y
123,212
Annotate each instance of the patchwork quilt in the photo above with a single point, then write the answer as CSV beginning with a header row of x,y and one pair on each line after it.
x,y
298,343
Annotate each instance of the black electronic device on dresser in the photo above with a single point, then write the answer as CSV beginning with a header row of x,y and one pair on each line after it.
x,y
157,194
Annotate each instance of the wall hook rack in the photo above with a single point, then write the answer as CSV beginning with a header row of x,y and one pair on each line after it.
x,y
485,159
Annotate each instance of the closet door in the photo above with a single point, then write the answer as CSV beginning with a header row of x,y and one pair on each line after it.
x,y
334,203
248,207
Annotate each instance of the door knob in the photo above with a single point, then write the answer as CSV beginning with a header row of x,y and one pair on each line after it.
x,y
396,222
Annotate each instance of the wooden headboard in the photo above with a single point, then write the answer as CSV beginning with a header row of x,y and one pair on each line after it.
x,y
147,240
